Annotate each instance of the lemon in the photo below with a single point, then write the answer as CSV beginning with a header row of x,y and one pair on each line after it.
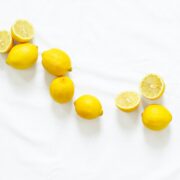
x,y
62,89
22,56
88,107
56,62
128,101
156,117
6,41
152,86
22,31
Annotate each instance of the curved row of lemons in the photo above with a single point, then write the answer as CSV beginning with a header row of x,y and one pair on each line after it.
x,y
57,62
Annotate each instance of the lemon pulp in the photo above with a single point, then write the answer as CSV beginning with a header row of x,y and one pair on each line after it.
x,y
22,31
5,41
127,101
152,86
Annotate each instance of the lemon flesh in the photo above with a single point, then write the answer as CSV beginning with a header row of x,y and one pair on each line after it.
x,y
88,107
128,101
56,62
62,89
6,41
22,31
152,86
156,117
22,56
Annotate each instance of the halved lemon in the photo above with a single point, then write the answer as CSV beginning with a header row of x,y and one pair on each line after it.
x,y
152,86
22,31
128,101
6,41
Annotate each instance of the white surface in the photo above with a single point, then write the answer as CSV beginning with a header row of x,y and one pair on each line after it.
x,y
113,44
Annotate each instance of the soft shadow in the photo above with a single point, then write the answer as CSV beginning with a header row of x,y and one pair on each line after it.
x,y
2,60
157,139
61,110
146,102
127,120
89,128
21,75
48,78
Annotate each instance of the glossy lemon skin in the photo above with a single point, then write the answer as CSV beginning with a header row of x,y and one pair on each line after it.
x,y
156,117
22,56
56,62
62,89
88,107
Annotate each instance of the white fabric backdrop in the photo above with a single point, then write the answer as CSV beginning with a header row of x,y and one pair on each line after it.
x,y
113,44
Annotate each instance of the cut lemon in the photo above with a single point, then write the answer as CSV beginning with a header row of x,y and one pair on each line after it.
x,y
6,41
152,86
22,31
128,101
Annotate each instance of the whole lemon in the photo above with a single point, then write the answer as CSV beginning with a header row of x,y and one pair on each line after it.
x,y
156,117
56,62
62,89
22,56
88,107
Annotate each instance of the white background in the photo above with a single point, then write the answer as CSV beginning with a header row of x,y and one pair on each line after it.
x,y
112,44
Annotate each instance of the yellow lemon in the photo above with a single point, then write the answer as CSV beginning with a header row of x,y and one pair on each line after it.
x,y
62,89
152,86
6,41
128,101
22,31
56,62
88,107
156,117
22,56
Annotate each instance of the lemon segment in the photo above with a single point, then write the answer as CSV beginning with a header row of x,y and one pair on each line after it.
x,y
22,56
22,31
6,41
88,107
128,101
56,62
152,86
62,89
156,117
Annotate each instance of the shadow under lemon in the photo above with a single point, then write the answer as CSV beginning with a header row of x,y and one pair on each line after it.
x,y
17,76
61,111
145,102
89,128
157,139
128,121
48,78
3,60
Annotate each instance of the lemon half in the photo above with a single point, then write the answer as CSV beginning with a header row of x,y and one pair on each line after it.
x,y
22,31
6,41
128,101
152,86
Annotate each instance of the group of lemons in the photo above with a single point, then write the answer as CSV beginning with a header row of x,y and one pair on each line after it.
x,y
22,55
